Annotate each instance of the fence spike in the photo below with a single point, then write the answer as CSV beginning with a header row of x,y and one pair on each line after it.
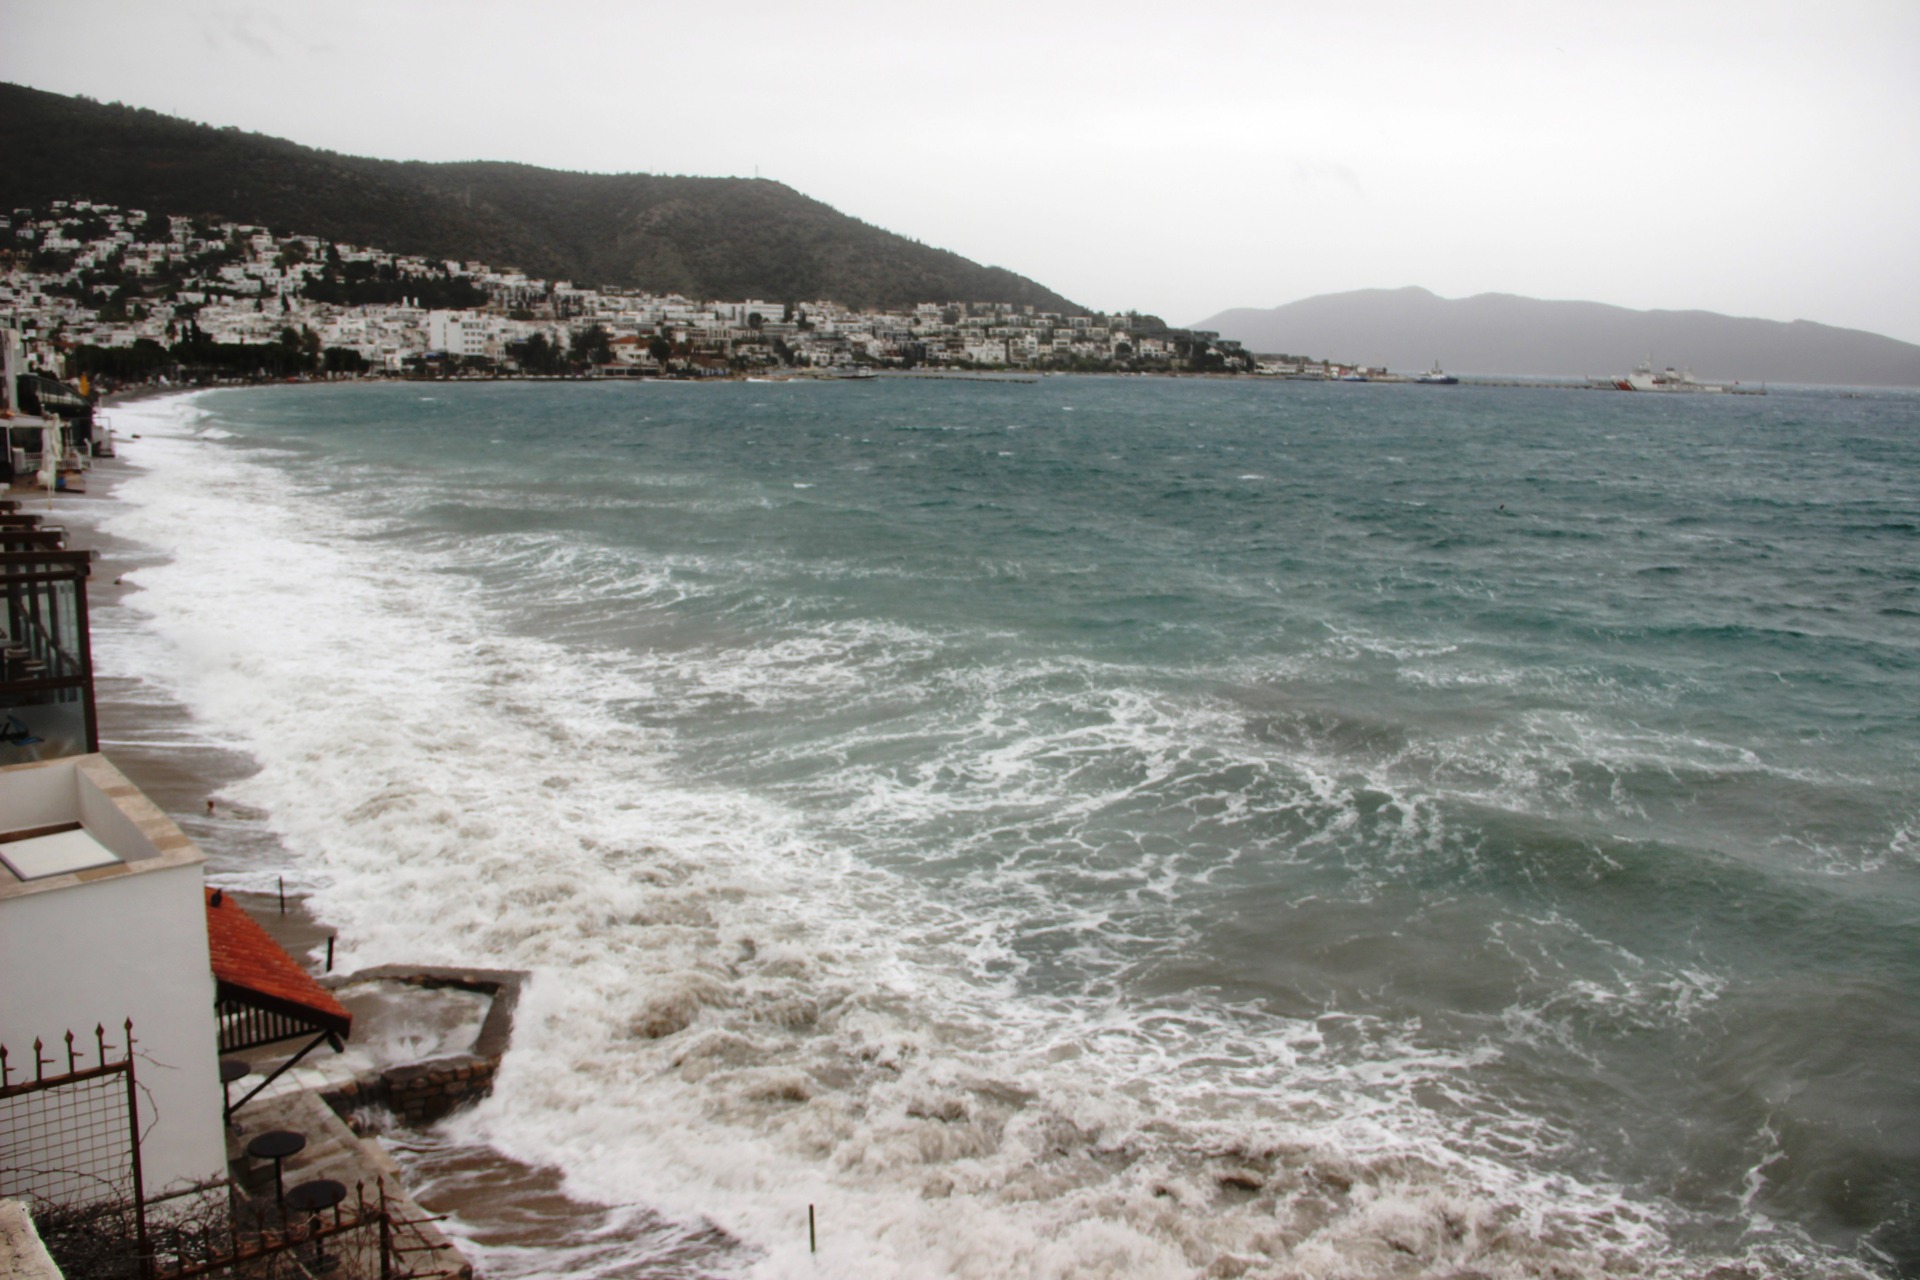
x,y
39,1064
100,1043
71,1068
385,1237
5,1070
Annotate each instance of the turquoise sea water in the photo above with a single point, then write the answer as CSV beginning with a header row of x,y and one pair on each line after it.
x,y
1106,826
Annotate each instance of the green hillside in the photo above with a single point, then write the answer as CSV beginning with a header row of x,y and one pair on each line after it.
x,y
703,237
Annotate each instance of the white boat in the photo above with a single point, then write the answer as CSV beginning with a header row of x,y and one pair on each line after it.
x,y
1643,378
1437,377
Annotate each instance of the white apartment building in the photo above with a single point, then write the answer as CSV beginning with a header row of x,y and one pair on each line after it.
x,y
462,333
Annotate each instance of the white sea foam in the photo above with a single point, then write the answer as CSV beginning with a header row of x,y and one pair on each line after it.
x,y
738,1009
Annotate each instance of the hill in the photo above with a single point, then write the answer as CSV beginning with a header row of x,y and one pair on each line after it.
x,y
1500,333
702,237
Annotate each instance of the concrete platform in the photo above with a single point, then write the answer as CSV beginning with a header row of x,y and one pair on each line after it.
x,y
333,1151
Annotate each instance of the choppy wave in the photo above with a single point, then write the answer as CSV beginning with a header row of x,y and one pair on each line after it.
x,y
1006,958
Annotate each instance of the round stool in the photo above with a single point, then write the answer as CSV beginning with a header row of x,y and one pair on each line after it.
x,y
276,1145
312,1199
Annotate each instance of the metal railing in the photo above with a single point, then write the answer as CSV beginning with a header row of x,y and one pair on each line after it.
x,y
70,1134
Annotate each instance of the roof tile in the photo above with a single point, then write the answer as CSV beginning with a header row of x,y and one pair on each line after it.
x,y
246,956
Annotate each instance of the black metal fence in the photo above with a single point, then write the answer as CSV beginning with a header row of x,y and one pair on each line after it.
x,y
218,1231
70,1149
71,1139
359,1237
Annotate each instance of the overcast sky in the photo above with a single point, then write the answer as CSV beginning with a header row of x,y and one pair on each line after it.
x,y
1752,158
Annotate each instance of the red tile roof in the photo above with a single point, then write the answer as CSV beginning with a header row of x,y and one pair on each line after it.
x,y
249,966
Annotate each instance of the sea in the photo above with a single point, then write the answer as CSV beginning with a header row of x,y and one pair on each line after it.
x,y
1090,827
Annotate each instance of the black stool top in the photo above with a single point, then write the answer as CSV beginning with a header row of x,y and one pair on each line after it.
x,y
321,1193
232,1069
277,1144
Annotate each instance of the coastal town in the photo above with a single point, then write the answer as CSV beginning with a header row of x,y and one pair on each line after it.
x,y
125,296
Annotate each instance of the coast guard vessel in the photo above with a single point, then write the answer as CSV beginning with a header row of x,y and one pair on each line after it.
x,y
1643,378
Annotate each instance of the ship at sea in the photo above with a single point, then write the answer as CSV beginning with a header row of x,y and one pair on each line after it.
x,y
1643,378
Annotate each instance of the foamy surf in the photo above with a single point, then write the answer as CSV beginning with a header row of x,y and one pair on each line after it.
x,y
917,963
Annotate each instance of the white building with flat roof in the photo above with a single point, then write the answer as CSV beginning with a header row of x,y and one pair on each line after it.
x,y
103,921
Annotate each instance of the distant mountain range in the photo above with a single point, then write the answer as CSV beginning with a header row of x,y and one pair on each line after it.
x,y
706,238
1495,333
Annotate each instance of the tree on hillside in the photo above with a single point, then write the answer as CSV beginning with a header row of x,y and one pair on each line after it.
x,y
300,350
592,345
538,355
344,360
706,237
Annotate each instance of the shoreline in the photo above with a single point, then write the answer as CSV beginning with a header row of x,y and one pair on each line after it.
x,y
1010,376
481,1192
143,737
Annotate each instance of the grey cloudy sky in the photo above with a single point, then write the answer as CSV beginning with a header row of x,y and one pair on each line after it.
x,y
1752,158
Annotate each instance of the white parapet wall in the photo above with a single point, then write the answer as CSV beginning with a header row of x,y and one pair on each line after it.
x,y
22,1256
124,937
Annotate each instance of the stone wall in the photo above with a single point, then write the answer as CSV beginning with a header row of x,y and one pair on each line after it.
x,y
419,1093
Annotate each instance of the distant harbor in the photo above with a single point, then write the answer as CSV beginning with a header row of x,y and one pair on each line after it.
x,y
127,297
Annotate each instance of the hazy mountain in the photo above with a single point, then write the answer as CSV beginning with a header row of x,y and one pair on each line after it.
x,y
721,238
1408,329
